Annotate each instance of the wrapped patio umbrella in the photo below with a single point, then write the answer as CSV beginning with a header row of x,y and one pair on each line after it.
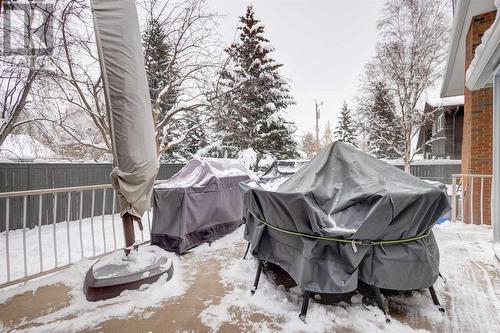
x,y
134,150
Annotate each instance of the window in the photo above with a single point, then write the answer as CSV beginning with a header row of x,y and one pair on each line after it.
x,y
440,123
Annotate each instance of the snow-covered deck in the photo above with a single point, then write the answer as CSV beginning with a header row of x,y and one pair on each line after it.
x,y
210,292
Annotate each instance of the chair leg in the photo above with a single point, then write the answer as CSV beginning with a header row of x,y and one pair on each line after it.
x,y
257,278
435,299
246,251
380,303
305,305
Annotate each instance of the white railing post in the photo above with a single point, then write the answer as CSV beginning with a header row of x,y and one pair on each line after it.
x,y
25,257
103,213
462,199
471,179
40,202
54,228
7,256
113,219
453,199
80,224
482,198
92,223
68,218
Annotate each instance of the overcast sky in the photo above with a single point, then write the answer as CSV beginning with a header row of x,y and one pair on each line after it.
x,y
322,44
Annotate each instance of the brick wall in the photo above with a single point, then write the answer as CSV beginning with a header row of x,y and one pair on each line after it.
x,y
477,131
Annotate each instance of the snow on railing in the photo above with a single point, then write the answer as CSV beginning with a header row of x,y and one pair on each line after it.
x,y
56,244
465,190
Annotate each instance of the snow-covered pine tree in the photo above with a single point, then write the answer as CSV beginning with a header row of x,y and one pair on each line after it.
x,y
385,137
195,139
160,69
184,132
253,97
309,145
346,128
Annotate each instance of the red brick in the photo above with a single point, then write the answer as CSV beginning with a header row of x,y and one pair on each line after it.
x,y
477,131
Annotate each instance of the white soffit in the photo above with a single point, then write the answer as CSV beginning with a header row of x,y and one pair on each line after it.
x,y
454,73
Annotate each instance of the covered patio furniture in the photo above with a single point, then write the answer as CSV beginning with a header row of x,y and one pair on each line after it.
x,y
201,203
347,218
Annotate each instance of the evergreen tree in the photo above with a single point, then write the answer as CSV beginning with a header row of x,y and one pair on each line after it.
x,y
327,135
346,129
160,68
254,97
382,126
196,138
309,145
184,132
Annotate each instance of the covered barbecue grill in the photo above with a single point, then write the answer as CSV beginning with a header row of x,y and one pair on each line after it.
x,y
201,203
346,217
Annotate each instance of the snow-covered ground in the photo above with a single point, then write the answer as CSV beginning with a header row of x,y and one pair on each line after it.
x,y
471,295
210,292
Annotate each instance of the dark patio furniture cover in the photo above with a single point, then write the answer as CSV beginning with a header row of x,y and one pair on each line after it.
x,y
201,203
347,195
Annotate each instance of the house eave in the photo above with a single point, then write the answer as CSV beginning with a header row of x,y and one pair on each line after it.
x,y
454,72
487,58
453,47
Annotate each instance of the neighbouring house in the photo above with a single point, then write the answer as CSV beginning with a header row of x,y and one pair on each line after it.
x,y
472,69
441,136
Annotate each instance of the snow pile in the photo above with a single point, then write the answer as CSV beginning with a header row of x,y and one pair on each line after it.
x,y
266,161
448,101
137,261
248,157
200,171
21,147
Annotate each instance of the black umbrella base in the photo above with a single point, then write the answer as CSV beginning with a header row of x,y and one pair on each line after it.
x,y
110,276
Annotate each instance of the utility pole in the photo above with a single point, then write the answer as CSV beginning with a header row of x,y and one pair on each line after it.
x,y
317,105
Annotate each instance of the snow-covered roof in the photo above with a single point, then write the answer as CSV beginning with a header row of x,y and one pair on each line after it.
x,y
22,148
448,101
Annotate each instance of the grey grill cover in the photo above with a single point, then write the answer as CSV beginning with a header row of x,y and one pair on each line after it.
x,y
346,193
201,203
